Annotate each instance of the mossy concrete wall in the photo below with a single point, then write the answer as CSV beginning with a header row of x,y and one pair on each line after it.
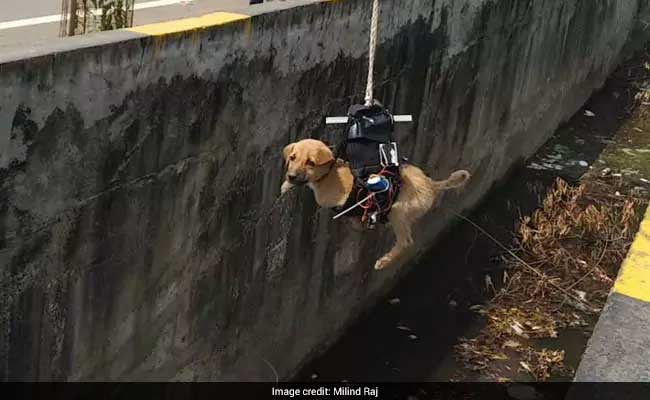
x,y
141,232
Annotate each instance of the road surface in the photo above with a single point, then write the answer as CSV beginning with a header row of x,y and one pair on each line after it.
x,y
23,22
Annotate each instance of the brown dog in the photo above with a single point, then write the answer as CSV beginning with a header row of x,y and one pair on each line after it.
x,y
311,162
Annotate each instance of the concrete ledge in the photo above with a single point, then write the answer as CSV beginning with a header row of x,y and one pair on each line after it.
x,y
619,350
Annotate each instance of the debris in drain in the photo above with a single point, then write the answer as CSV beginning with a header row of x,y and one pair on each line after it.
x,y
576,240
394,301
630,171
639,191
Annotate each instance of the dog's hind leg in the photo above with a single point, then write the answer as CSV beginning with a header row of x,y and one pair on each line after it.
x,y
402,227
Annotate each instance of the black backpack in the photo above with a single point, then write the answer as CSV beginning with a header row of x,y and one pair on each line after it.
x,y
368,127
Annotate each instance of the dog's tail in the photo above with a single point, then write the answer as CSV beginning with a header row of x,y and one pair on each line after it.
x,y
420,192
457,179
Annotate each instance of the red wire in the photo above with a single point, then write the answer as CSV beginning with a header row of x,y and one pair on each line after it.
x,y
365,207
370,202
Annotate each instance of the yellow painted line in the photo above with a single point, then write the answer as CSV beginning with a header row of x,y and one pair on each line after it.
x,y
189,24
634,278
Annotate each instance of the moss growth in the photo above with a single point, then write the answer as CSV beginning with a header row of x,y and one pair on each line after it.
x,y
630,154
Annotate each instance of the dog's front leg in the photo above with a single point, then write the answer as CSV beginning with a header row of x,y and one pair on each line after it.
x,y
286,186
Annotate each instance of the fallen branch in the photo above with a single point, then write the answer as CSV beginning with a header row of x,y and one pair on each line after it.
x,y
591,271
525,264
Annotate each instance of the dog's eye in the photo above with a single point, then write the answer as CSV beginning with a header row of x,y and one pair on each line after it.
x,y
292,158
311,163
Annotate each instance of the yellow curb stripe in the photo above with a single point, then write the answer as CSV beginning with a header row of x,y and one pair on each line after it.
x,y
189,24
634,278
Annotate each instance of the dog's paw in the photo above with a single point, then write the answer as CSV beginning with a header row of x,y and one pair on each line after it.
x,y
286,186
382,263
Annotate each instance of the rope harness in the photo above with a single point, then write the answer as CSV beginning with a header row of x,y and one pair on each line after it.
x,y
370,149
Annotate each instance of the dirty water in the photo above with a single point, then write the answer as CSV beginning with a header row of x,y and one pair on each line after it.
x,y
410,335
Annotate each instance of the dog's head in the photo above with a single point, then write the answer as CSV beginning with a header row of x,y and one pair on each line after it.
x,y
308,160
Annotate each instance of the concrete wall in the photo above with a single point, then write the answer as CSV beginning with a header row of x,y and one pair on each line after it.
x,y
141,233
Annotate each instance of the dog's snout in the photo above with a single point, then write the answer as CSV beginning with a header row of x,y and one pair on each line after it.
x,y
296,178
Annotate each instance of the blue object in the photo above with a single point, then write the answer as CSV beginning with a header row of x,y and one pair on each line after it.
x,y
378,183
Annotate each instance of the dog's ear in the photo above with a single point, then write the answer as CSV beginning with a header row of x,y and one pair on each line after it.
x,y
323,156
287,151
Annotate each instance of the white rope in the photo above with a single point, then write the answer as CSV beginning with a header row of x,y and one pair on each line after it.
x,y
374,31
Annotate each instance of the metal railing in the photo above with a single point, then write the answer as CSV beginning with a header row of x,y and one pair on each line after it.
x,y
79,17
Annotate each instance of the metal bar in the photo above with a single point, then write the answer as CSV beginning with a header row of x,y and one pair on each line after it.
x,y
336,120
372,194
344,120
342,213
403,118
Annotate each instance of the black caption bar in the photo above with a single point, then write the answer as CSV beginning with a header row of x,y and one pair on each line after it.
x,y
326,391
